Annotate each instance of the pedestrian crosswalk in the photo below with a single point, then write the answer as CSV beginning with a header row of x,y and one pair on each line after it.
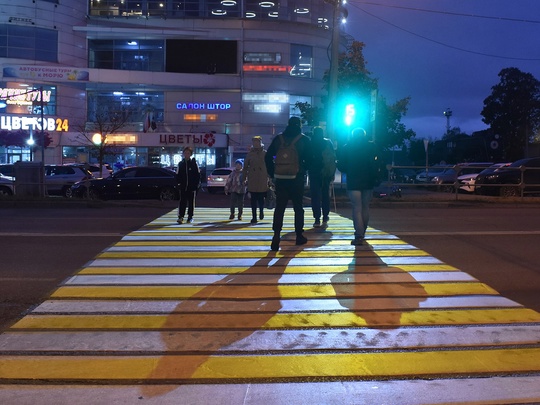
x,y
205,313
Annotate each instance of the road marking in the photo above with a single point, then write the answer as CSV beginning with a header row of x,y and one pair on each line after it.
x,y
210,303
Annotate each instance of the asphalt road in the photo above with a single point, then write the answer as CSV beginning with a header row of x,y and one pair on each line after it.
x,y
42,246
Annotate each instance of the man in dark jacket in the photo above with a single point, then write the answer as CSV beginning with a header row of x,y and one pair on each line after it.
x,y
189,180
321,173
293,188
359,160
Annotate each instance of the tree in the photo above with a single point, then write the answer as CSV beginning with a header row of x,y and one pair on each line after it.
x,y
104,120
513,111
355,83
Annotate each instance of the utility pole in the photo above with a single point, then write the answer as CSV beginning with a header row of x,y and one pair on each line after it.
x,y
42,126
334,65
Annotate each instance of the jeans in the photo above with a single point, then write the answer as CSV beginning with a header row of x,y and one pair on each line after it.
x,y
289,190
320,197
360,200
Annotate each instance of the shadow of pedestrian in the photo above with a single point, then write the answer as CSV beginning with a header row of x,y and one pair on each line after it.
x,y
399,290
256,311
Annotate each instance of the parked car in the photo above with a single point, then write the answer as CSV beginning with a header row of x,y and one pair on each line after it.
x,y
403,175
446,181
216,180
7,185
139,182
60,178
7,169
506,181
425,176
467,181
105,171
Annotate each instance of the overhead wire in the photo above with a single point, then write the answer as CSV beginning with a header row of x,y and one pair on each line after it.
x,y
355,3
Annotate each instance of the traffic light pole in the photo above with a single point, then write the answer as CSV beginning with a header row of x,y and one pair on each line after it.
x,y
334,65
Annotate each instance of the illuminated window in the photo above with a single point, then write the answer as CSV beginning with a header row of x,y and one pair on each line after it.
x,y
301,60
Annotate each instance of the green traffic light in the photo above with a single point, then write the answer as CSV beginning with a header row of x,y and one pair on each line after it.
x,y
350,113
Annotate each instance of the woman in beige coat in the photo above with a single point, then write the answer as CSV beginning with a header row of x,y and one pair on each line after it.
x,y
256,177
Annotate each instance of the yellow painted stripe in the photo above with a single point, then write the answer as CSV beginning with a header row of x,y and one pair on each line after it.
x,y
258,254
274,269
240,233
253,368
240,243
261,321
273,291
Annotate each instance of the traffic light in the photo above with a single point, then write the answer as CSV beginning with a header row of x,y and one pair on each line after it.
x,y
350,114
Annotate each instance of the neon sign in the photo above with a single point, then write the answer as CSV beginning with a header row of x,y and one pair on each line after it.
x,y
23,96
266,68
203,106
14,123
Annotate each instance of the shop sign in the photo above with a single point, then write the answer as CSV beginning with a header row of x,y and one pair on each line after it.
x,y
208,140
203,106
53,73
15,123
24,96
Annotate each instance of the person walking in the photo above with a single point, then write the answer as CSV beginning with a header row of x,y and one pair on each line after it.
x,y
235,186
256,177
321,174
286,160
189,180
359,161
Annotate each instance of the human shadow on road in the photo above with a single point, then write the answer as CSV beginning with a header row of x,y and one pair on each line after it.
x,y
397,291
193,313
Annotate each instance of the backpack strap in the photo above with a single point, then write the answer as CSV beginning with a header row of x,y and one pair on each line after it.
x,y
283,142
296,139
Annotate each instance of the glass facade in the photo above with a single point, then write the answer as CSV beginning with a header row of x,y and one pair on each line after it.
x,y
124,54
138,106
309,11
28,42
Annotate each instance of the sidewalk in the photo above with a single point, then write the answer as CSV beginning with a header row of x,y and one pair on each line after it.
x,y
205,313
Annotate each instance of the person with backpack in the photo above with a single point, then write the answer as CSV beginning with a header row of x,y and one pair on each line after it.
x,y
287,159
189,181
359,160
321,171
256,177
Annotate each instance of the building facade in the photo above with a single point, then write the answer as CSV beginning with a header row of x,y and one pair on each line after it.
x,y
208,74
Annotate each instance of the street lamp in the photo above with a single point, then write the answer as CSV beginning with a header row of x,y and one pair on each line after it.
x,y
30,142
447,113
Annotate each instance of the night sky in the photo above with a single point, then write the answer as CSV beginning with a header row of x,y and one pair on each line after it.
x,y
445,54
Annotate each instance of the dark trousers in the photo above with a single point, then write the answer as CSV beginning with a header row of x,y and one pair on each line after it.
x,y
320,197
237,201
292,190
257,201
187,200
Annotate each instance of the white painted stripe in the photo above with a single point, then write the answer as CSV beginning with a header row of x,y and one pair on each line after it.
x,y
243,237
253,279
287,306
470,391
289,341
